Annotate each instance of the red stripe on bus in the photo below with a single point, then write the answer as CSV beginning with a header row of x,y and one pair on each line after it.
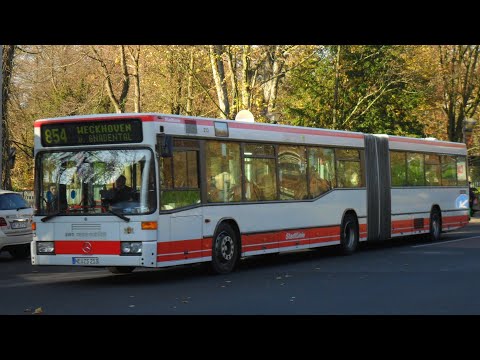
x,y
207,247
256,239
326,239
404,226
80,247
251,242
428,142
176,257
179,246
458,218
408,230
39,123
253,248
184,249
288,243
402,223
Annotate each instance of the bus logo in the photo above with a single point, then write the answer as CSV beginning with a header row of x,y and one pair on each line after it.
x,y
87,247
295,235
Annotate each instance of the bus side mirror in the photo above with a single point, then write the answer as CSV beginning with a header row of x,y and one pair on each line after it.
x,y
165,145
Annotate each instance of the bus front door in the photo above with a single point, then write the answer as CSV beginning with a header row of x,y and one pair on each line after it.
x,y
186,231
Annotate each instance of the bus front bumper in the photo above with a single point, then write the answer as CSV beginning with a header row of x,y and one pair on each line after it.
x,y
146,259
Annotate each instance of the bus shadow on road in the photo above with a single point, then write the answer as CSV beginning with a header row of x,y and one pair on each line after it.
x,y
277,262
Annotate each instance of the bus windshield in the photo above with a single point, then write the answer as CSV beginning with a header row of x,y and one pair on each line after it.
x,y
96,182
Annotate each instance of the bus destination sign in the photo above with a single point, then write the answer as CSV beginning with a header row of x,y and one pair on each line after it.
x,y
92,132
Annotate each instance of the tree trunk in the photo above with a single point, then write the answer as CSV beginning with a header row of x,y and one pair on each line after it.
x,y
7,62
190,82
219,78
273,71
125,79
246,89
232,64
335,92
461,85
119,103
135,56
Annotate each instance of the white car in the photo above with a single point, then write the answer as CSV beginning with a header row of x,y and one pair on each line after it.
x,y
15,224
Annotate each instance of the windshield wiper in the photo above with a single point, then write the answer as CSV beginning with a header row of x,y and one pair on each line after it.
x,y
48,217
23,207
119,215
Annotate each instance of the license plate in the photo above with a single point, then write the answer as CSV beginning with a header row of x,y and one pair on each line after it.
x,y
85,261
19,225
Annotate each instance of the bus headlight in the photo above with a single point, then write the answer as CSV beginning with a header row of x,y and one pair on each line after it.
x,y
45,247
131,248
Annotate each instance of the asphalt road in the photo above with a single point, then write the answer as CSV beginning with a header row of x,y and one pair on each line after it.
x,y
406,276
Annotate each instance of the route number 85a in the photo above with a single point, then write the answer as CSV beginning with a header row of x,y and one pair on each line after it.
x,y
55,136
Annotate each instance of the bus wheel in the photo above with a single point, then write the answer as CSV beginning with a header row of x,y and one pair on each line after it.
x,y
225,250
120,269
435,225
349,235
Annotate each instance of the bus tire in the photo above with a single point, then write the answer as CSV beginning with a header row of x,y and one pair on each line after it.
x,y
225,250
349,235
120,269
435,225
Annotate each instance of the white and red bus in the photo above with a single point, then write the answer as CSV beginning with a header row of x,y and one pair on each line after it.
x,y
213,190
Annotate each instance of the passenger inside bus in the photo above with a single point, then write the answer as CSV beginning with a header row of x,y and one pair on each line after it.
x,y
52,199
220,188
318,185
252,192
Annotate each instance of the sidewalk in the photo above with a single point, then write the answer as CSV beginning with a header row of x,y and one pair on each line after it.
x,y
476,217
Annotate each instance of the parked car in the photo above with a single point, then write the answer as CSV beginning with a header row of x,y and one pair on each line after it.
x,y
15,224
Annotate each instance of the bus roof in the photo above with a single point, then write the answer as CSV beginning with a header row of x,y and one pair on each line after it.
x,y
396,142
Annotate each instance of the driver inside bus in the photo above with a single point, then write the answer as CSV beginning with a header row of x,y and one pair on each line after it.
x,y
122,192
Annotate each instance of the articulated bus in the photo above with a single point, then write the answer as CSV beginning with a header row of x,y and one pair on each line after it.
x,y
214,190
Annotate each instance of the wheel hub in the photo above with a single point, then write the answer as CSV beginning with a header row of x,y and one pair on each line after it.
x,y
226,247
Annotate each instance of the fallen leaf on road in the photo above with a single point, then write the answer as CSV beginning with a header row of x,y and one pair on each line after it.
x,y
38,310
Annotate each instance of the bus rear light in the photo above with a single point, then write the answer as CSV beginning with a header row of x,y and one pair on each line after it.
x,y
34,226
45,247
131,248
149,225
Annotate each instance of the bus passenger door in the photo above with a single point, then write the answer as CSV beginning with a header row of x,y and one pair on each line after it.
x,y
180,191
186,233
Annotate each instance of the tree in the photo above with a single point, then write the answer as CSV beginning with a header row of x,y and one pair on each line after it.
x,y
461,86
6,69
108,67
134,52
218,71
359,88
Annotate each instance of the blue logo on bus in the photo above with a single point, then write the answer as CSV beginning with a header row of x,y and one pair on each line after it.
x,y
461,202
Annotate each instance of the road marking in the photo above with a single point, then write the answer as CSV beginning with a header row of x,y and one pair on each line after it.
x,y
445,242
